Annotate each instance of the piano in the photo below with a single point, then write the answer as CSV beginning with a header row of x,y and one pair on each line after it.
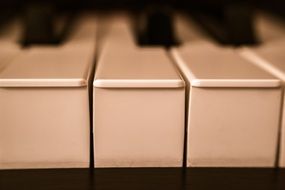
x,y
142,84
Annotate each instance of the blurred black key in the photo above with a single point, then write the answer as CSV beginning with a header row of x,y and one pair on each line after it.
x,y
39,25
155,26
6,15
230,23
239,21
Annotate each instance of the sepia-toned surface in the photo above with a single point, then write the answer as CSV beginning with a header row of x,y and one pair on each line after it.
x,y
233,112
138,108
44,97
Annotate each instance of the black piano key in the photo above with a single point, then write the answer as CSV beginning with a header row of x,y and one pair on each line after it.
x,y
39,25
239,22
229,23
7,13
155,26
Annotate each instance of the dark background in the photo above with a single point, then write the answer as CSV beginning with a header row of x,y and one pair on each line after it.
x,y
144,179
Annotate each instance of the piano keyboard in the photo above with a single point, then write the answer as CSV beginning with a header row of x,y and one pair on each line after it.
x,y
199,104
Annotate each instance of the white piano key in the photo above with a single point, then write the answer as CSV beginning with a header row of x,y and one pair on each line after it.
x,y
138,106
271,57
187,30
7,55
269,28
10,33
9,46
233,108
44,100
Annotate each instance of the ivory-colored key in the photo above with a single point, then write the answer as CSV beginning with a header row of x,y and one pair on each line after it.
x,y
233,108
9,47
269,28
44,98
271,57
188,30
138,105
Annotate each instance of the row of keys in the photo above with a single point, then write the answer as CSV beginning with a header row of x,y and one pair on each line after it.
x,y
199,103
228,22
